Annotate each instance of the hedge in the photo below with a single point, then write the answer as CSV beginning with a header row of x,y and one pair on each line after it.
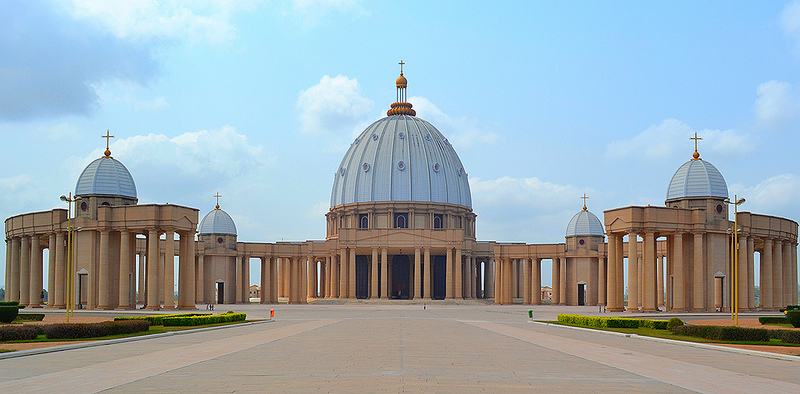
x,y
30,317
204,319
793,316
157,320
773,320
786,336
724,333
18,332
8,313
94,330
612,322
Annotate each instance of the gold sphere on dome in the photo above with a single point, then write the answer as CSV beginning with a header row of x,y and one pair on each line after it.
x,y
402,82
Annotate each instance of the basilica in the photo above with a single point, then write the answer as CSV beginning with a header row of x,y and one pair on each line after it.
x,y
401,226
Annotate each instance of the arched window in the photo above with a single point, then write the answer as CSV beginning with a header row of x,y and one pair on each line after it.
x,y
438,220
363,220
401,220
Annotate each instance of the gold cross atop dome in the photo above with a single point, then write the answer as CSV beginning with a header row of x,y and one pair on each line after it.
x,y
401,67
695,155
584,198
108,138
217,196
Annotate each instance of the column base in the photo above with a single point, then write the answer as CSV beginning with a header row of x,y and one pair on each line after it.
x,y
124,308
615,310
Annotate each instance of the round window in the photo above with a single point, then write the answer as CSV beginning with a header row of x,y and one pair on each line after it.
x,y
719,208
219,240
581,242
401,166
84,206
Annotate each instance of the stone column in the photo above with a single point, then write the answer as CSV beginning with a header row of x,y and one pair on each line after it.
x,y
169,269
678,285
650,302
751,287
602,287
417,275
152,271
699,274
374,286
311,267
384,273
660,268
633,272
741,273
51,269
15,288
794,271
246,279
556,281
620,271
273,280
141,281
449,276
302,289
458,270
343,273
334,276
36,273
498,281
351,287
25,270
427,281
186,269
565,289
508,279
765,298
777,274
61,270
526,281
611,272
788,285
237,287
7,286
328,277
473,278
536,281
200,283
123,296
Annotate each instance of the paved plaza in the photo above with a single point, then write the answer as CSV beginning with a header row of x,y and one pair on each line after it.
x,y
398,348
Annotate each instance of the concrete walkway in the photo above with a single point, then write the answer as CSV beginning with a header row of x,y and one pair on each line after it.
x,y
393,348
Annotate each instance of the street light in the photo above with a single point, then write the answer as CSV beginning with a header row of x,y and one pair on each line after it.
x,y
70,271
735,256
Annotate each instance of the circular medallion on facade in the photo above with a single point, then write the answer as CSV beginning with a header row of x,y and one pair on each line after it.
x,y
427,137
401,166
374,137
436,167
719,208
401,135
581,242
341,171
365,166
219,240
84,206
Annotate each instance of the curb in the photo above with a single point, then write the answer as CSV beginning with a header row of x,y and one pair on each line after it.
x,y
748,352
72,346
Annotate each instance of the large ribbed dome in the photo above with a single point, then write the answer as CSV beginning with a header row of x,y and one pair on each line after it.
x,y
584,223
217,222
697,178
401,158
106,176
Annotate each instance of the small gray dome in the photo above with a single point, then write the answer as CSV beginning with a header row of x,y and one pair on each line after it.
x,y
401,158
697,178
106,176
585,223
217,222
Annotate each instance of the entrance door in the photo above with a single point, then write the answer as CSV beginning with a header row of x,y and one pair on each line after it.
x,y
362,277
439,277
400,277
581,294
83,290
220,292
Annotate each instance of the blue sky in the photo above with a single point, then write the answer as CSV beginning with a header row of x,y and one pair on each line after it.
x,y
259,100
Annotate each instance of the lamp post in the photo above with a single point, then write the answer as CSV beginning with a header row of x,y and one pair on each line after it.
x,y
735,256
70,271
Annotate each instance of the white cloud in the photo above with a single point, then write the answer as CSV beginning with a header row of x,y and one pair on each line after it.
x,y
772,196
334,105
197,21
462,131
128,94
522,209
670,139
312,12
790,21
776,103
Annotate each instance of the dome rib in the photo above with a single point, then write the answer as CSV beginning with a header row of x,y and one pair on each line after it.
x,y
217,222
106,176
697,178
386,181
585,223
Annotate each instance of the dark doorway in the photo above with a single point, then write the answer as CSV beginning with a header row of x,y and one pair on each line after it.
x,y
581,294
439,273
220,292
362,277
400,277
83,290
